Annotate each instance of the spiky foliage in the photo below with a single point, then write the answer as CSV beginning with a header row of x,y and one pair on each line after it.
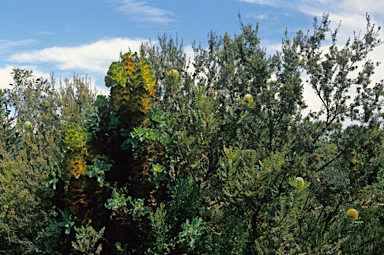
x,y
127,133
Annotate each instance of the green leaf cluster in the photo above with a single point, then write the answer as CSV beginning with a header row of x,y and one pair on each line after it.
x,y
120,201
116,75
98,170
87,238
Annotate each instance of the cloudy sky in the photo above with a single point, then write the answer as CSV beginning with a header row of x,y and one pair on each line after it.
x,y
84,37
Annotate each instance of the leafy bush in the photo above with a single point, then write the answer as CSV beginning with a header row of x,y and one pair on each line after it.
x,y
28,158
230,177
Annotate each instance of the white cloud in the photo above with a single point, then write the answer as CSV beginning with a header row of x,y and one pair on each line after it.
x,y
95,57
8,43
348,21
268,2
337,6
45,33
141,11
370,6
259,16
351,12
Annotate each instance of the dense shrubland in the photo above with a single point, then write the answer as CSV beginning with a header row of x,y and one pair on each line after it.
x,y
219,174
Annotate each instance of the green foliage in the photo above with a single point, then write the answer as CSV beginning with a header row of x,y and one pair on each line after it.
x,y
51,179
218,175
119,201
143,76
298,183
98,170
127,55
273,141
120,249
160,229
100,101
67,222
138,209
186,199
116,75
87,238
158,175
29,157
128,110
143,135
191,232
10,137
158,118
48,237
74,138
114,122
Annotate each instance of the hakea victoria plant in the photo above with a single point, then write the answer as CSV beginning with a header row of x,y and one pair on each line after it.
x,y
120,150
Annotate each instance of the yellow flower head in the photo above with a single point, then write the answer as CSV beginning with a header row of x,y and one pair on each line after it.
x,y
248,98
173,73
353,214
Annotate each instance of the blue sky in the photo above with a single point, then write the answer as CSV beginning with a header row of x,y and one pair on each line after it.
x,y
84,37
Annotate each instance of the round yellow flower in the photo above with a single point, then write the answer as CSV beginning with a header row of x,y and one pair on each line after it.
x,y
173,73
353,214
248,98
28,125
300,181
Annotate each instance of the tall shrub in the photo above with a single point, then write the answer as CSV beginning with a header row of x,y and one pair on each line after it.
x,y
29,153
246,157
